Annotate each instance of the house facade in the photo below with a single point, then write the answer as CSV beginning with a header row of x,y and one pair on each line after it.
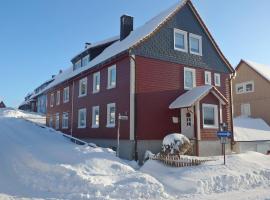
x,y
251,90
167,76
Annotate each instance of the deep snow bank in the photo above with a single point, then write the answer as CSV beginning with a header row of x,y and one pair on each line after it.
x,y
242,172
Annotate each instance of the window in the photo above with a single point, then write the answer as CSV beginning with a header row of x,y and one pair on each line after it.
x,y
78,64
180,40
207,78
57,121
66,95
65,120
188,119
58,98
83,87
245,109
245,87
95,117
111,77
51,121
217,79
111,115
85,60
96,82
82,118
210,116
195,44
52,100
189,78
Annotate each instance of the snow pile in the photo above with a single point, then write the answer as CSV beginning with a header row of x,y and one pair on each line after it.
x,y
250,129
242,172
175,143
38,162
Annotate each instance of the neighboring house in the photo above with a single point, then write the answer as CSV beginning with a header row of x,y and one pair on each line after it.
x,y
251,90
37,100
2,105
167,76
251,134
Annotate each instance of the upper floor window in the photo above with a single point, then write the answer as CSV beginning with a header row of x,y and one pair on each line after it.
x,y
180,40
82,118
57,121
111,77
52,99
210,116
83,87
58,98
85,60
111,115
217,79
95,117
245,87
195,44
78,64
66,95
207,78
65,120
189,78
96,82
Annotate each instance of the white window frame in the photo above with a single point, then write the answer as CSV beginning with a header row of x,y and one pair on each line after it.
x,y
65,117
96,76
215,126
244,85
209,74
66,95
198,37
79,117
94,125
57,121
109,84
78,64
110,125
194,78
58,94
184,33
217,77
80,87
83,60
52,100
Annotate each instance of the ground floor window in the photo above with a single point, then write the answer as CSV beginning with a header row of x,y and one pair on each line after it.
x,y
57,121
65,121
111,115
210,115
82,118
95,117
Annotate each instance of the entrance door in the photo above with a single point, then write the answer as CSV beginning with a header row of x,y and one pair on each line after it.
x,y
187,122
245,109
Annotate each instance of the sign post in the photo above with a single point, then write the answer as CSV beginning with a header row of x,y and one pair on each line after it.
x,y
223,135
120,117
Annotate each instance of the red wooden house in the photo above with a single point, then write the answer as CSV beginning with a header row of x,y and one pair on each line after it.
x,y
168,75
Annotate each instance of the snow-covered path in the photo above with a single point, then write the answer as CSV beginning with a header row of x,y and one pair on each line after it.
x,y
37,162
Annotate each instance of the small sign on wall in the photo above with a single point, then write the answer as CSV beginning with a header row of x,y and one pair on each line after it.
x,y
175,120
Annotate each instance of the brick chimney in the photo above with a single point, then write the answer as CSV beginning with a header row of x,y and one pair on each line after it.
x,y
126,26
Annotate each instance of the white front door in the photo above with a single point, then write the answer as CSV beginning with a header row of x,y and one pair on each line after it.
x,y
187,122
245,109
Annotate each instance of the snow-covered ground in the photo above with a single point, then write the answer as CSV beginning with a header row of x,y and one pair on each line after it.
x,y
39,163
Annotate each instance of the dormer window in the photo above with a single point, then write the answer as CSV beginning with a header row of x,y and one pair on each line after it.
x,y
180,40
85,60
195,44
78,64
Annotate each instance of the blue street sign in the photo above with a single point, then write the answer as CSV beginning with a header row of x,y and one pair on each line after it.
x,y
223,134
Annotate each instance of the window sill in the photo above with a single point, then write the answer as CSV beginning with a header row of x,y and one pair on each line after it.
x,y
210,127
182,50
65,101
195,53
110,87
83,95
218,85
81,127
110,125
95,126
95,92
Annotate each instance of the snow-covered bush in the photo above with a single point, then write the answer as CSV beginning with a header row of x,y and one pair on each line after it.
x,y
176,143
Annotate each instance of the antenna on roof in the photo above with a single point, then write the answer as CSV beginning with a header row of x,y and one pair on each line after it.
x,y
87,44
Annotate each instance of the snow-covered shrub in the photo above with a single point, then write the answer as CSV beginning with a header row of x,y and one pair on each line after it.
x,y
176,143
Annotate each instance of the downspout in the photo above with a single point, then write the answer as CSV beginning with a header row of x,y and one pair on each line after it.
x,y
232,107
72,106
135,113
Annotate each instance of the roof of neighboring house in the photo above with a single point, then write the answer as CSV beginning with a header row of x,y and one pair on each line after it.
x,y
262,69
133,39
250,129
189,98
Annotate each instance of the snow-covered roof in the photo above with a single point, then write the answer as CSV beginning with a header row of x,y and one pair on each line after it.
x,y
189,98
99,43
251,129
262,69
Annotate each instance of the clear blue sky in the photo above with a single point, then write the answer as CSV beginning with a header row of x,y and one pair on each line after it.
x,y
38,37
